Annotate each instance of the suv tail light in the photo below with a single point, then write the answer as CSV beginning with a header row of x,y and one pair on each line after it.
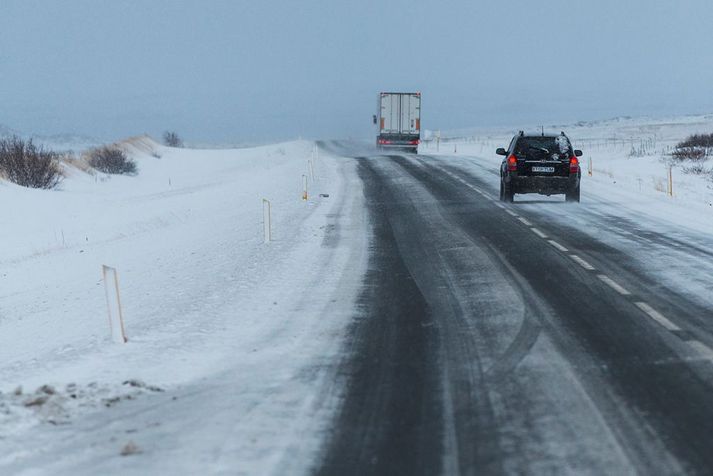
x,y
512,163
573,165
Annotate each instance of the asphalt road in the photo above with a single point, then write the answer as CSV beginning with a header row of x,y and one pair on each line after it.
x,y
491,340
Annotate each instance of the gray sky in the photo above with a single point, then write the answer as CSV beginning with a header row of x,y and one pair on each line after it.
x,y
264,69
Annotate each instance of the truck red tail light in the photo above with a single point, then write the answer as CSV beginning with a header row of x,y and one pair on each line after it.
x,y
414,142
512,163
573,165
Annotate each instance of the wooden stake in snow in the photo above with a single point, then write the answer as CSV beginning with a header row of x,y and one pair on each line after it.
x,y
113,302
267,219
589,167
670,181
304,187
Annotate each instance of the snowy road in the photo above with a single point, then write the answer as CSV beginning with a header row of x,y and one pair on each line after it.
x,y
533,338
402,322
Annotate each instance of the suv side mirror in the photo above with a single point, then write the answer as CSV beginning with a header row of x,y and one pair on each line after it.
x,y
577,153
374,118
501,151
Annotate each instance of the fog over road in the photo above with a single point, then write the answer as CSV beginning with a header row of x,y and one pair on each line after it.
x,y
535,337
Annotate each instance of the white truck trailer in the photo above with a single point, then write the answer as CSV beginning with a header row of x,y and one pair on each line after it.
x,y
399,121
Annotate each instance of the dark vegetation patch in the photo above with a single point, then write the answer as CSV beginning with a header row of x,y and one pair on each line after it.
x,y
29,165
112,160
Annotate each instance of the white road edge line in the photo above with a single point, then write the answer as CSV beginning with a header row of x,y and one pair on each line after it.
x,y
701,348
613,284
538,232
510,212
558,246
582,263
657,316
524,221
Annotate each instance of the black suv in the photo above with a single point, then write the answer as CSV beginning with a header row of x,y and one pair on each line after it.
x,y
540,163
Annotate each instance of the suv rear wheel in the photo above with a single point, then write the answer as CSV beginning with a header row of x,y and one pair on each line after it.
x,y
572,195
507,194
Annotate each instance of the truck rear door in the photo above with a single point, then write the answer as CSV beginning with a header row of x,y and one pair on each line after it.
x,y
390,112
410,117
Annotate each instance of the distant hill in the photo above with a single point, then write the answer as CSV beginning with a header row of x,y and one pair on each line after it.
x,y
59,142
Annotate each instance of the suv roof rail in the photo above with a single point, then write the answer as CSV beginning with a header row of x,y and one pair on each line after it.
x,y
521,133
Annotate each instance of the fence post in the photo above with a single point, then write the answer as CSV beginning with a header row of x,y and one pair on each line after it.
x,y
267,219
116,318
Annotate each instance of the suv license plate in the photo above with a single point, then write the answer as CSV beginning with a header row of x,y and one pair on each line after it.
x,y
543,169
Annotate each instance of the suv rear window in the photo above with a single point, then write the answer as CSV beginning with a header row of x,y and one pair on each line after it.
x,y
538,145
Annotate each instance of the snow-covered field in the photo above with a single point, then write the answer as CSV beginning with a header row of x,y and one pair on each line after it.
x,y
209,310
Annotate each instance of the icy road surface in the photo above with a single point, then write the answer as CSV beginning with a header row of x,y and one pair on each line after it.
x,y
534,338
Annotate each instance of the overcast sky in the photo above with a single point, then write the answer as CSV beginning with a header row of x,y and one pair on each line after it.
x,y
266,69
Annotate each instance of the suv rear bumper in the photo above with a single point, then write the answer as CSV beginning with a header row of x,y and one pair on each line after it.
x,y
544,185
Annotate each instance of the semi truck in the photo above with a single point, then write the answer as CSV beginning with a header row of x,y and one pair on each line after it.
x,y
398,120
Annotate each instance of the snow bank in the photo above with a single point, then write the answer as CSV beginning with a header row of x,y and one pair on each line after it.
x,y
228,326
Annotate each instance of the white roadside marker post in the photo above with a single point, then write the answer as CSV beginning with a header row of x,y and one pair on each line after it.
x,y
670,181
589,167
113,302
310,169
304,187
267,219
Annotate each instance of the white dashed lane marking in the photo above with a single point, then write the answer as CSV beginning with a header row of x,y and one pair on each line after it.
x,y
699,347
558,246
657,316
613,284
702,349
582,263
538,232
